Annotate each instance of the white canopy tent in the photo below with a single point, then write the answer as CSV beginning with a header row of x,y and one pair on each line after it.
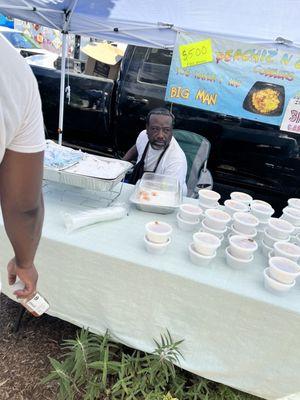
x,y
154,23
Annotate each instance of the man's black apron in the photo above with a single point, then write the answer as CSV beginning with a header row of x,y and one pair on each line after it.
x,y
139,170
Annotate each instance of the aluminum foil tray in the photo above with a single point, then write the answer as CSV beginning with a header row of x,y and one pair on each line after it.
x,y
66,176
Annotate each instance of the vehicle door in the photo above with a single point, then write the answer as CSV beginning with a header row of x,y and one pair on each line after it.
x,y
87,111
143,78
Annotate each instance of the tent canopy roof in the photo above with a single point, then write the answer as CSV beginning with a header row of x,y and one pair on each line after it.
x,y
155,22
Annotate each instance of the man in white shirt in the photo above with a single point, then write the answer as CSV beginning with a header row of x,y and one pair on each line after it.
x,y
22,146
156,150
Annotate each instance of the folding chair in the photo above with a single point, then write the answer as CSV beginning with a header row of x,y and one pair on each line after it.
x,y
196,149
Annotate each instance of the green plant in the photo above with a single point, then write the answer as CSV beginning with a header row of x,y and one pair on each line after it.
x,y
94,368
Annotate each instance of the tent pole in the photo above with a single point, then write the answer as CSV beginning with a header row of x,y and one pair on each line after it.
x,y
62,88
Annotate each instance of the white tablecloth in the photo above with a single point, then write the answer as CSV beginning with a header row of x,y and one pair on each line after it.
x,y
101,277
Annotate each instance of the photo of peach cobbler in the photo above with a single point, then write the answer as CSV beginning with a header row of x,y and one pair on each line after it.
x,y
265,98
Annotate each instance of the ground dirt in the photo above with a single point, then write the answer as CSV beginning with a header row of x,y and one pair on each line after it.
x,y
24,355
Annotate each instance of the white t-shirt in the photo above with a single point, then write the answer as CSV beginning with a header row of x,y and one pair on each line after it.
x,y
21,120
173,162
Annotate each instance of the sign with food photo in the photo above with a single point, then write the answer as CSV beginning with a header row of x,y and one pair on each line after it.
x,y
247,80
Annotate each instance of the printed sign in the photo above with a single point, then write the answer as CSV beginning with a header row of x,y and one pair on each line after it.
x,y
291,119
6,21
195,53
246,80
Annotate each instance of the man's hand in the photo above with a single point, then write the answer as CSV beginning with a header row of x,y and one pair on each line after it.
x,y
28,275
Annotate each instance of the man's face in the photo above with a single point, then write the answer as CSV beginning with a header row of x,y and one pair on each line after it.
x,y
159,131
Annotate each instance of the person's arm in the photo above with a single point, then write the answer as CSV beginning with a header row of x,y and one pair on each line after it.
x,y
23,212
131,154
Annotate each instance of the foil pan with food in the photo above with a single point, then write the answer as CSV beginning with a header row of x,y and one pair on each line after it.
x,y
265,99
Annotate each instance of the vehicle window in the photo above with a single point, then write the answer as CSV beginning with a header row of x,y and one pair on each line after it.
x,y
155,67
19,40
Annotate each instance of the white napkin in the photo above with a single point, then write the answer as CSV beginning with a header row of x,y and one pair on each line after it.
x,y
89,217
